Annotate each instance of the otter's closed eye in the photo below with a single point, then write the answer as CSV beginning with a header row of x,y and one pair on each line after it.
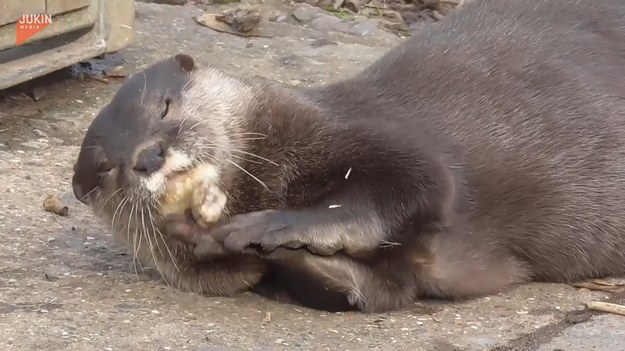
x,y
102,175
104,168
166,111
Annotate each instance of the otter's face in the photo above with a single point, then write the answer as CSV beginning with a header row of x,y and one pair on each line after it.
x,y
166,119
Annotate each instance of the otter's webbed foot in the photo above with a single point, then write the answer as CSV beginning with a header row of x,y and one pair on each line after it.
x,y
185,229
265,231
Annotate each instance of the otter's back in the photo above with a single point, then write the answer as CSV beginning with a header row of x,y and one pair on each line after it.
x,y
533,93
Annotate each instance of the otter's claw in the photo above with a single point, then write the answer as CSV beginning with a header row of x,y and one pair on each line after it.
x,y
185,229
208,203
267,230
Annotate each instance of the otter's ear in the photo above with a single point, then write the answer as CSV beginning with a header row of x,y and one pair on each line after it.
x,y
185,62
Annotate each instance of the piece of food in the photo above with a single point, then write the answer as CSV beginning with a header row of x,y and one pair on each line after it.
x,y
178,196
53,204
207,203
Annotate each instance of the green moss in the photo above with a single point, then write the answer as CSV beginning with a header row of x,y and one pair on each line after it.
x,y
340,13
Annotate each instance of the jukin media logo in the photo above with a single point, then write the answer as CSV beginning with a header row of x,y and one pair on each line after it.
x,y
29,25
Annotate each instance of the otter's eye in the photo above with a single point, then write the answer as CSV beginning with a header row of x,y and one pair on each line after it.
x,y
102,176
104,169
166,111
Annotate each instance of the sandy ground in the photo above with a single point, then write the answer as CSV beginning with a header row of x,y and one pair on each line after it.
x,y
66,285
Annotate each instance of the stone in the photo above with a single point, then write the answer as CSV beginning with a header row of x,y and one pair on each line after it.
x,y
34,145
365,28
306,13
325,22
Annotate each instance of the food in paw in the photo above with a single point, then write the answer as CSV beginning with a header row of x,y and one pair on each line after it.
x,y
178,196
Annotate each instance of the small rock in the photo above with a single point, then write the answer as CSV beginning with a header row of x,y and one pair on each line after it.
x,y
39,133
240,20
28,112
34,162
360,19
168,2
393,26
306,13
322,42
277,17
5,155
364,28
37,93
281,18
34,145
116,72
325,22
290,60
50,277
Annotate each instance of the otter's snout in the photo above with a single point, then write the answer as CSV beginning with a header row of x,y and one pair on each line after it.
x,y
79,193
149,159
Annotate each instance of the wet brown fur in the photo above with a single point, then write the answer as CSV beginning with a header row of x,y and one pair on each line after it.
x,y
486,151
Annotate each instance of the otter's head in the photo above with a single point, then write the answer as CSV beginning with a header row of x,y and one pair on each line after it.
x,y
169,118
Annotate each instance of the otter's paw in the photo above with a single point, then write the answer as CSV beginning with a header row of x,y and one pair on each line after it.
x,y
183,228
208,202
263,232
266,230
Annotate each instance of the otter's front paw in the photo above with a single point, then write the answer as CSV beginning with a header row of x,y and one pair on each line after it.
x,y
183,228
208,202
268,230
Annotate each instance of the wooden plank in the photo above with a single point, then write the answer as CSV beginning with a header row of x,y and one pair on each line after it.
x,y
12,10
55,7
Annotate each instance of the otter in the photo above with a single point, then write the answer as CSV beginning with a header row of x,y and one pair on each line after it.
x,y
483,152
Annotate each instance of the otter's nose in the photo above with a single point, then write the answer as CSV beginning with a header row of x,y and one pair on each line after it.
x,y
149,160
